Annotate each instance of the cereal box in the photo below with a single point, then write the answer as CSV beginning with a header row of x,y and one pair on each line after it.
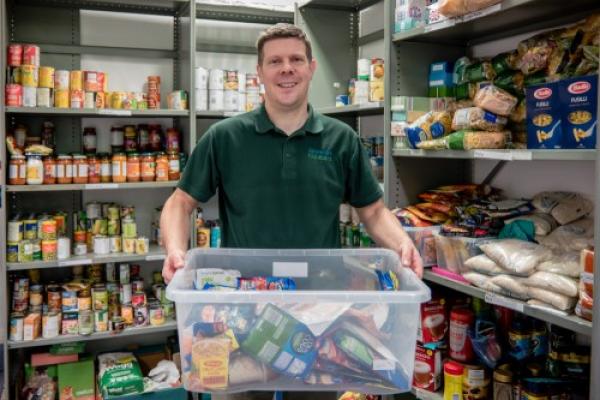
x,y
544,129
578,97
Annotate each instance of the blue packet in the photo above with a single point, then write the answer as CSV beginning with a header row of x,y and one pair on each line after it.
x,y
387,280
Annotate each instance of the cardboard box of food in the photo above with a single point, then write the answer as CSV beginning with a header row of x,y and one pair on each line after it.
x,y
76,381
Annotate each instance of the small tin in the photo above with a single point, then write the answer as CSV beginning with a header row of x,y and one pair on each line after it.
x,y
54,298
51,324
36,254
159,292
15,231
70,323
100,320
110,272
16,327
137,285
126,293
169,310
115,244
124,273
36,295
117,324
100,297
30,229
80,249
140,315
138,299
69,301
12,252
157,316
127,314
86,322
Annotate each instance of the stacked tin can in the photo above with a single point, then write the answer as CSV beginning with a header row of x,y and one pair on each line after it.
x,y
23,77
216,92
253,98
201,89
231,95
153,92
32,237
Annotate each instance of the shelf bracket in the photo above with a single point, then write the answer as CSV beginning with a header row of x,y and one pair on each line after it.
x,y
494,172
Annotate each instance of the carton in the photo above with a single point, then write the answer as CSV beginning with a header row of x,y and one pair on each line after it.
x,y
410,14
76,380
578,97
433,324
544,128
428,367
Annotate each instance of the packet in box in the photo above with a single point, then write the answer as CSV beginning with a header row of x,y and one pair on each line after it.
x,y
544,129
578,97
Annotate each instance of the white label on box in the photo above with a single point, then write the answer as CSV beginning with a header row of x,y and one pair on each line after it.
x,y
124,113
155,257
493,298
101,186
522,155
68,263
493,154
383,365
481,13
290,269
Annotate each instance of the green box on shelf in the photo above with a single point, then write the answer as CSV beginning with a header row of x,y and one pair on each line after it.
x,y
76,381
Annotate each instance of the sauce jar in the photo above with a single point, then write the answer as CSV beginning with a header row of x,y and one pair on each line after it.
x,y
116,139
105,168
35,169
48,134
17,170
148,167
453,376
89,140
64,169
93,169
133,167
172,140
174,170
119,167
154,138
143,137
162,167
49,170
80,168
460,343
130,139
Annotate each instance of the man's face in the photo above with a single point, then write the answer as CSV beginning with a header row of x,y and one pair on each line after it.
x,y
286,72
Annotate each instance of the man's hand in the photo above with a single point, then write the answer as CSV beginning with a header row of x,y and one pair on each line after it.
x,y
410,257
173,261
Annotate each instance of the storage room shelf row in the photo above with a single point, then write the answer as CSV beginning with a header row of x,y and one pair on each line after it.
x,y
502,155
90,186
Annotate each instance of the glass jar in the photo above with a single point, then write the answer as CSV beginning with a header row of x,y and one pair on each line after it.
x,y
148,167
174,171
154,138
49,170
105,168
130,139
64,169
80,169
162,167
116,139
93,169
133,167
48,134
17,170
172,140
35,169
89,140
143,137
119,168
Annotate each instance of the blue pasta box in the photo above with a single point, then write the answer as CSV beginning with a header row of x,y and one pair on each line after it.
x,y
579,97
544,130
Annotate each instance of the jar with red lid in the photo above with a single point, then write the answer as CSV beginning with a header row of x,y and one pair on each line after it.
x,y
17,170
64,169
148,167
133,167
48,134
131,141
461,320
94,169
89,140
154,138
174,170
172,140
49,170
80,169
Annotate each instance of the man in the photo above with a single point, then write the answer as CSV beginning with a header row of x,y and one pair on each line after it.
x,y
282,170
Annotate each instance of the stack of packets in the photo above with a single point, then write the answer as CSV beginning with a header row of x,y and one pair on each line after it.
x,y
248,346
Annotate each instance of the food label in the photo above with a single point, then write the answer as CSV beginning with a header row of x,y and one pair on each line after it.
x,y
433,323
427,373
578,99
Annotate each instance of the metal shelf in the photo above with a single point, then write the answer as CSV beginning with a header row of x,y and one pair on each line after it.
x,y
508,18
90,186
156,7
358,109
217,114
426,394
242,14
349,5
108,51
142,330
571,322
96,112
506,155
155,253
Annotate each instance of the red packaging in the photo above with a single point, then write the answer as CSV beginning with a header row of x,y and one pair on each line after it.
x,y
433,322
154,85
153,102
90,81
428,368
585,305
135,271
461,320
504,317
31,55
154,137
14,55
101,81
14,95
172,140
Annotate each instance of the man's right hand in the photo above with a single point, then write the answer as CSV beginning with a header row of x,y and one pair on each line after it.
x,y
174,260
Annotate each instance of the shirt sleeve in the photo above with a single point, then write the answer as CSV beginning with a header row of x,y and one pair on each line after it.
x,y
200,177
362,187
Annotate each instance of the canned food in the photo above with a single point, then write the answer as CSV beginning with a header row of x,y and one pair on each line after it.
x,y
90,79
127,314
54,299
159,292
29,96
15,231
157,316
30,229
15,56
100,226
140,315
89,99
138,299
12,252
61,226
135,271
80,249
37,250
124,274
48,229
84,302
76,98
49,250
128,245
76,80
14,95
16,327
117,324
63,248
51,324
86,322
116,244
101,100
61,98
100,297
46,77
101,245
169,310
25,251
110,272
69,300
114,310
36,295
138,285
117,99
70,323
44,97
29,76
31,54
61,79
100,320
157,277
126,293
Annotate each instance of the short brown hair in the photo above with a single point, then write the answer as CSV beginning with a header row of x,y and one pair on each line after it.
x,y
282,31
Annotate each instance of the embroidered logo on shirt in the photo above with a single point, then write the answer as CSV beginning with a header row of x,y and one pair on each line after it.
x,y
320,154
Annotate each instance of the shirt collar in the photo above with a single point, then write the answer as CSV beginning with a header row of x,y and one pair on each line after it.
x,y
313,123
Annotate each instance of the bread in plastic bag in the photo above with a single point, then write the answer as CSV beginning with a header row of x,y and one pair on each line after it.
x,y
495,100
516,256
456,8
571,208
511,285
546,201
475,118
540,304
576,236
566,264
556,300
544,223
483,265
554,283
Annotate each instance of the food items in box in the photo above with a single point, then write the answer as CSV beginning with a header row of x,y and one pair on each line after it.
x,y
456,8
544,129
266,283
430,126
210,357
119,374
428,367
433,323
475,118
579,99
516,256
586,285
495,100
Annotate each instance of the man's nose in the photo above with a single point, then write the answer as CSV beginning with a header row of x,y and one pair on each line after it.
x,y
287,67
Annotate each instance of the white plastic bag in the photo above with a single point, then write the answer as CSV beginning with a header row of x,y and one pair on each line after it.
x,y
556,300
481,281
571,208
576,236
546,306
566,264
511,285
483,265
553,282
516,256
546,201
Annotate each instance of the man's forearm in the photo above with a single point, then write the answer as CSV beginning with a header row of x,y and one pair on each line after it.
x,y
175,226
384,228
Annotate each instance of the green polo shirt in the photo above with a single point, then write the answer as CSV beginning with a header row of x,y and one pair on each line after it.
x,y
279,191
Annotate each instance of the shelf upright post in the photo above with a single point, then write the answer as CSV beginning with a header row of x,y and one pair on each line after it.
x,y
595,365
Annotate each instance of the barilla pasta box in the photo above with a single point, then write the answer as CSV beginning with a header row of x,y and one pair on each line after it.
x,y
579,114
544,129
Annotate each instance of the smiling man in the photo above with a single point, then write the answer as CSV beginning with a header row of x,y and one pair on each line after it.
x,y
282,172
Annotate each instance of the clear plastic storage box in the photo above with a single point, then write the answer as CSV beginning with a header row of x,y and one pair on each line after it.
x,y
424,242
337,331
453,251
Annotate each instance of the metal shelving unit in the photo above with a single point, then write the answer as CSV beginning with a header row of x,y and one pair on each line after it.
x,y
128,332
409,172
89,186
95,112
371,108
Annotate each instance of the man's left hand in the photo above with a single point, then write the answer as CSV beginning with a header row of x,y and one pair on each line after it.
x,y
409,257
